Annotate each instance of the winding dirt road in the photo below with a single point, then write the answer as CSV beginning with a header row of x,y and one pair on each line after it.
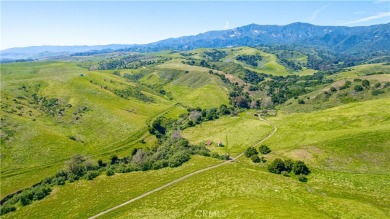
x,y
186,176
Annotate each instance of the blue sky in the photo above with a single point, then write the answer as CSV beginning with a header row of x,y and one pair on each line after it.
x,y
30,23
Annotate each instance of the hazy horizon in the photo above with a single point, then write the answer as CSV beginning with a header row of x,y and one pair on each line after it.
x,y
26,24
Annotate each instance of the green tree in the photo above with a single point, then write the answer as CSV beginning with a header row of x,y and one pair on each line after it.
x,y
250,151
365,83
300,168
288,165
358,88
255,158
264,149
277,166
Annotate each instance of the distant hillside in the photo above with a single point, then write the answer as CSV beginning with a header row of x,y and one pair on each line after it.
x,y
37,52
364,39
338,38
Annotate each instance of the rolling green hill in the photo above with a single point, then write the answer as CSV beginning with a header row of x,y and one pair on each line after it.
x,y
138,113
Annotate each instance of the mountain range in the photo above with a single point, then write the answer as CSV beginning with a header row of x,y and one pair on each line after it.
x,y
335,38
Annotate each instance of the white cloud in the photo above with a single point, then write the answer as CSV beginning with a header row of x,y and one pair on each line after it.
x,y
227,25
317,12
374,17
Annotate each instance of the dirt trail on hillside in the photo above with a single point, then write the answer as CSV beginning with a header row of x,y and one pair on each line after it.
x,y
186,176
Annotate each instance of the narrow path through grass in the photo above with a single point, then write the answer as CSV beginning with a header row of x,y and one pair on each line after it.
x,y
186,176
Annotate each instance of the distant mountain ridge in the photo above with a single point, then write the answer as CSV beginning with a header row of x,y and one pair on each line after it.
x,y
337,38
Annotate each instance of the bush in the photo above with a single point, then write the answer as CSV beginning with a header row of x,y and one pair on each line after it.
x,y
264,149
365,83
40,192
59,180
6,209
224,157
302,178
250,151
91,175
358,88
300,168
110,172
24,198
72,177
255,158
377,92
300,101
288,165
277,166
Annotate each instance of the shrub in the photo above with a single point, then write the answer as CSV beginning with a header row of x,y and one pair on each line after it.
x,y
365,83
300,101
300,168
224,157
288,165
333,89
264,149
6,209
91,175
377,92
40,192
358,88
72,177
24,198
110,172
255,158
101,163
59,180
76,165
250,151
302,178
277,166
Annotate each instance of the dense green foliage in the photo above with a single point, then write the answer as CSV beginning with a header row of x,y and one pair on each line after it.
x,y
250,59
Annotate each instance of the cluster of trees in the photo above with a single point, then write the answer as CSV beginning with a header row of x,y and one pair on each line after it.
x,y
253,77
163,127
296,66
299,168
250,59
50,106
215,55
129,62
253,154
280,88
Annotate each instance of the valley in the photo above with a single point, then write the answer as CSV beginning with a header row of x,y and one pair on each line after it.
x,y
142,120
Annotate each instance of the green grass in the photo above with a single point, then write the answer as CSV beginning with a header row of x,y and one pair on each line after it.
x,y
361,70
83,198
235,133
268,64
357,187
346,147
244,190
42,141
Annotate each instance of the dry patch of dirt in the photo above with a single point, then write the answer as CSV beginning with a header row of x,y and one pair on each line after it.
x,y
306,153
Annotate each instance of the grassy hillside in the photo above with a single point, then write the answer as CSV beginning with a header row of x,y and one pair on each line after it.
x,y
38,136
235,133
105,105
349,171
341,92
